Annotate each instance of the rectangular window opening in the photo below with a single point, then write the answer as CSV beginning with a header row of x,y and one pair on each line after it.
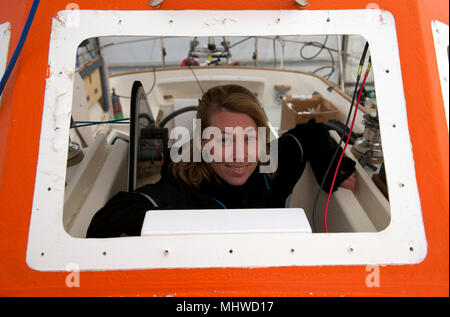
x,y
286,73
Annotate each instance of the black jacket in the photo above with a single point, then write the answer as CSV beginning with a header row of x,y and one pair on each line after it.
x,y
124,213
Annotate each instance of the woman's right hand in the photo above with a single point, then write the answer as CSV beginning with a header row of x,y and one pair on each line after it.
x,y
350,182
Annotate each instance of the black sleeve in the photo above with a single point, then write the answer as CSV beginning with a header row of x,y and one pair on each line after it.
x,y
319,149
122,214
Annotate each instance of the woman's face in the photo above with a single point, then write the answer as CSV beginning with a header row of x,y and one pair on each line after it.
x,y
238,142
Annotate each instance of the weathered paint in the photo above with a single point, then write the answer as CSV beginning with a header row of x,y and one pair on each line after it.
x,y
20,123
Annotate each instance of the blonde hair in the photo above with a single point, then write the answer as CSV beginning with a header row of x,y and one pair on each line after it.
x,y
233,98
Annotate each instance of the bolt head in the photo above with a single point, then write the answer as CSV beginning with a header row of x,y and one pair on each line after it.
x,y
302,3
155,3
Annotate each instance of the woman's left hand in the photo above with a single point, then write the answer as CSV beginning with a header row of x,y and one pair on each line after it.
x,y
350,182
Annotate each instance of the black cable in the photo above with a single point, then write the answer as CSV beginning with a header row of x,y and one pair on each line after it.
x,y
321,47
316,44
83,142
328,76
176,113
361,63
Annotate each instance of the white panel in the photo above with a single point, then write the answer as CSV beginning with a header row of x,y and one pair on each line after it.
x,y
5,35
111,179
222,221
440,36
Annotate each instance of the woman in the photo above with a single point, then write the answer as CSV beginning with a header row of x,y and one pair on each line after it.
x,y
232,179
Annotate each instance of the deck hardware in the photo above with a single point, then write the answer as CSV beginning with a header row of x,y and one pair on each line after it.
x,y
302,3
155,3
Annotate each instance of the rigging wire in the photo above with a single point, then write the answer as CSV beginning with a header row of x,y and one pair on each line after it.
x,y
316,44
89,123
196,79
231,46
134,41
321,47
327,76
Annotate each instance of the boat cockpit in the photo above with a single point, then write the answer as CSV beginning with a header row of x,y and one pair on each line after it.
x,y
306,75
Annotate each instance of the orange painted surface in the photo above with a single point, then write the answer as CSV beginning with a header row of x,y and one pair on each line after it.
x,y
20,123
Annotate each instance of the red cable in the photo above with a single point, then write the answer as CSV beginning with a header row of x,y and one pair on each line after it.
x,y
343,151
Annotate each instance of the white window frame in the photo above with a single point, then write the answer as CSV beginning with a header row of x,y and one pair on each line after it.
x,y
440,38
5,35
51,248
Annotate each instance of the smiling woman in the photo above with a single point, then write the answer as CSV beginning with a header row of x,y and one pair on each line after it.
x,y
232,179
238,159
226,108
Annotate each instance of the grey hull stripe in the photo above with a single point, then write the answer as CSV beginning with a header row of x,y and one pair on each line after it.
x,y
149,198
